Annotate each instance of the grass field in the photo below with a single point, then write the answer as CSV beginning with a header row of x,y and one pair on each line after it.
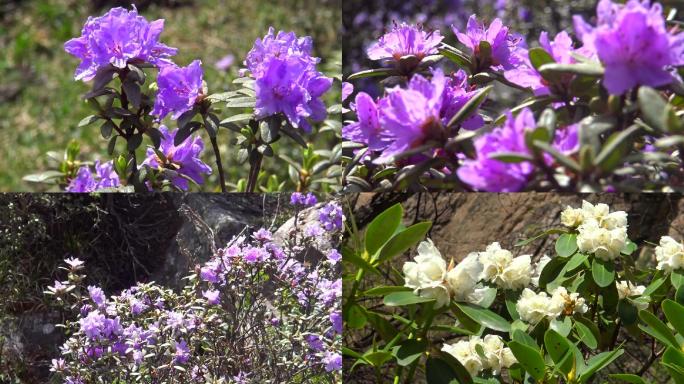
x,y
41,105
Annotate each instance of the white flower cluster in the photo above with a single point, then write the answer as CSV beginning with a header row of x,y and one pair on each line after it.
x,y
601,232
669,254
534,307
628,289
495,355
500,268
428,276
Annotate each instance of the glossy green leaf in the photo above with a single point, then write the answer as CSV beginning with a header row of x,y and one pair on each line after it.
x,y
559,348
470,108
529,358
598,362
404,240
398,299
656,328
628,378
674,312
383,226
485,317
586,336
603,272
409,351
566,245
356,317
384,290
378,72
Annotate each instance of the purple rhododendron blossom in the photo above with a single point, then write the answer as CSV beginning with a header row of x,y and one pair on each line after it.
x,y
487,174
298,198
336,321
412,116
225,62
405,40
212,296
560,48
117,38
182,354
179,89
633,43
347,90
184,158
330,216
97,295
332,361
86,181
503,44
287,81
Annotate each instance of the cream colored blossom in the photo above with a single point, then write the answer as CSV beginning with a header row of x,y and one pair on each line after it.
x,y
426,275
498,356
572,217
500,268
669,254
538,270
464,351
463,278
628,289
605,243
569,303
534,307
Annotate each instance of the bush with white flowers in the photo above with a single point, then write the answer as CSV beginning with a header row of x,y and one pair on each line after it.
x,y
497,316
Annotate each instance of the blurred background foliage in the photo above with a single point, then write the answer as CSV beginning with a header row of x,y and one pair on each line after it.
x,y
41,104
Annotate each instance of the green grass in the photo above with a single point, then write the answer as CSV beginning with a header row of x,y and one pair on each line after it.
x,y
41,104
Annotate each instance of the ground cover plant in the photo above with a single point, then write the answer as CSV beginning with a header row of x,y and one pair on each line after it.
x,y
227,37
595,107
264,308
496,316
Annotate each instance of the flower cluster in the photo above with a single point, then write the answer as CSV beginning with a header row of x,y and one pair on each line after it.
x,y
496,355
669,254
535,307
287,80
258,292
86,181
600,232
411,134
429,276
118,38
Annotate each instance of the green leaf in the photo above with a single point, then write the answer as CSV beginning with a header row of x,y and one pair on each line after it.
x,y
653,108
656,328
575,261
511,157
446,369
409,351
384,72
485,317
556,154
384,290
43,176
399,299
655,284
383,226
455,55
586,336
539,57
585,69
603,272
629,314
356,317
677,279
88,120
598,362
613,151
404,240
628,377
674,312
559,348
566,245
377,358
529,358
470,108
551,271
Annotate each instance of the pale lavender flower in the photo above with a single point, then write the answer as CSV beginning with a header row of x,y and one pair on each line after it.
x,y
117,38
212,296
225,62
97,295
299,198
182,354
330,216
86,181
58,365
184,158
334,256
74,263
332,361
336,321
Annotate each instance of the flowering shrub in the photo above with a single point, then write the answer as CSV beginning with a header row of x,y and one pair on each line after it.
x,y
599,110
264,308
496,317
279,92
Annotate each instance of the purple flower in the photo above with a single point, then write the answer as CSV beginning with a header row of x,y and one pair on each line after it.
x,y
184,158
336,321
118,38
298,198
633,44
487,174
347,90
179,89
262,235
419,114
405,40
282,44
86,181
92,325
137,307
225,62
72,380
315,342
329,291
97,295
58,365
332,361
211,271
560,48
212,296
330,216
367,129
502,44
182,354
334,256
175,319
287,81
255,255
